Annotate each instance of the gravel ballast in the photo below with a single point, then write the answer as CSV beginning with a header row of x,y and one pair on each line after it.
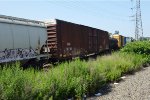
x,y
132,87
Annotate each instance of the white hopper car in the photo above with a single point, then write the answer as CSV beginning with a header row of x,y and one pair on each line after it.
x,y
21,39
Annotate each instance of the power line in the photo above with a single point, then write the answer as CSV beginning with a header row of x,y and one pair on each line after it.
x,y
92,11
103,11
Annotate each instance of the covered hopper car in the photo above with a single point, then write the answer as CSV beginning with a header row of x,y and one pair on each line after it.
x,y
20,38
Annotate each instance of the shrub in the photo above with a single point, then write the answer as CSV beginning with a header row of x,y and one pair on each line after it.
x,y
138,47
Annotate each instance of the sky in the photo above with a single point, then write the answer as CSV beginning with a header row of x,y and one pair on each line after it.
x,y
108,15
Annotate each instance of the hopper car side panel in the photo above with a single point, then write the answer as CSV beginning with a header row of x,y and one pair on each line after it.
x,y
21,36
6,39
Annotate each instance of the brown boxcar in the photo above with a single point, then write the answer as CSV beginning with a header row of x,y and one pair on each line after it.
x,y
67,40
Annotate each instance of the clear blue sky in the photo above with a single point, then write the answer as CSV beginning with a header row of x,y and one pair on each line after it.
x,y
109,15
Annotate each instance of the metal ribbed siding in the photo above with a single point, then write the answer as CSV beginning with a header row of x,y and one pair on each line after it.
x,y
76,40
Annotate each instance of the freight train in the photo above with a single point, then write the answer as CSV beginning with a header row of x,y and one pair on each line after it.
x,y
23,39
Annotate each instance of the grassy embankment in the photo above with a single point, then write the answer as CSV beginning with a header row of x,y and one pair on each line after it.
x,y
73,79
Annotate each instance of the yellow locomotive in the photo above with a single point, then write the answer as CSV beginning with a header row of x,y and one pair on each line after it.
x,y
121,40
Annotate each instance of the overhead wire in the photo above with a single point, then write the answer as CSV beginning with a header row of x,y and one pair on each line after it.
x,y
97,13
72,7
93,11
103,10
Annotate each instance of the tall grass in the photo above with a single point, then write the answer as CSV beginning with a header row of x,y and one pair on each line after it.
x,y
118,64
73,79
69,79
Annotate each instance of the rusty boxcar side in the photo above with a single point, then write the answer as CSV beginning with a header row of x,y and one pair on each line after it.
x,y
67,40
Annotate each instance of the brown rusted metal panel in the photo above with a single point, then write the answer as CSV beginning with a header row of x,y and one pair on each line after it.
x,y
67,40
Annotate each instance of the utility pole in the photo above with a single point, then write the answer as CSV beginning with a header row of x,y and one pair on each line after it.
x,y
138,27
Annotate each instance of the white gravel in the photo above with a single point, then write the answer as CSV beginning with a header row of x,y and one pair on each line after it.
x,y
133,87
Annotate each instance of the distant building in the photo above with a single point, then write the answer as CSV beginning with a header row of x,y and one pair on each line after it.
x,y
145,38
129,39
116,32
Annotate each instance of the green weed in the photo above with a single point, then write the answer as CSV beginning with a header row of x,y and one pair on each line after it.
x,y
71,79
